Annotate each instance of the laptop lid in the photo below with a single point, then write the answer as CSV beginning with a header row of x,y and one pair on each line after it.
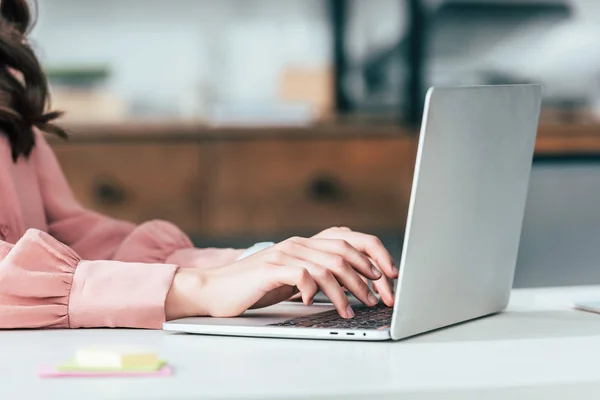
x,y
467,205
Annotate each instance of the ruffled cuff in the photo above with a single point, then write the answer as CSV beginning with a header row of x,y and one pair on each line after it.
x,y
35,282
45,284
152,242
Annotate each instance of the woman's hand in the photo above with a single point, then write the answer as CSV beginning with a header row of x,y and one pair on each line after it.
x,y
297,265
372,247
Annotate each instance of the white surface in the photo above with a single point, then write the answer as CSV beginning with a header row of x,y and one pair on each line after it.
x,y
567,297
532,351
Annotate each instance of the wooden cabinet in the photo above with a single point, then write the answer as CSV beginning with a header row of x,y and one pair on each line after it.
x,y
224,183
246,187
139,181
294,186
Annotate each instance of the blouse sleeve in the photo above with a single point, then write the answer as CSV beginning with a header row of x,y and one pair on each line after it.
x,y
45,284
95,236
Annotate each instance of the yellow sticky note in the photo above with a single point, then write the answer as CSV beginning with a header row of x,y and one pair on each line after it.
x,y
72,366
114,357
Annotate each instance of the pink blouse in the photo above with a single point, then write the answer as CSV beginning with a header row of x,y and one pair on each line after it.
x,y
63,266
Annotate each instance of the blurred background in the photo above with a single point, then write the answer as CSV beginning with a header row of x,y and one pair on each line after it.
x,y
243,121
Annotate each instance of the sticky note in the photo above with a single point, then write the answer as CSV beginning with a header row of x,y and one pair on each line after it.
x,y
52,372
73,366
115,358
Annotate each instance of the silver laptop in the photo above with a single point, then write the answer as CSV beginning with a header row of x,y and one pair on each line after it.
x,y
463,229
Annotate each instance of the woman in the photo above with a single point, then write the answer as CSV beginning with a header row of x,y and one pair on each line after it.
x,y
62,266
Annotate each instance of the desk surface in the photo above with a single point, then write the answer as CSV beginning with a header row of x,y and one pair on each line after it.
x,y
533,350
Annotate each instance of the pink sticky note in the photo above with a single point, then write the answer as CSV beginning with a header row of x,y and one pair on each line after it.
x,y
52,372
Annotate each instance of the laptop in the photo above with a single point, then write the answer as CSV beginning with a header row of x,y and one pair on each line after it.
x,y
463,228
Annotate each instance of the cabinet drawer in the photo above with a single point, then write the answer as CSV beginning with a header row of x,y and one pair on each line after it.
x,y
138,182
281,186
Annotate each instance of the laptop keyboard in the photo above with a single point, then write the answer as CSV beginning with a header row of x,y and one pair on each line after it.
x,y
365,318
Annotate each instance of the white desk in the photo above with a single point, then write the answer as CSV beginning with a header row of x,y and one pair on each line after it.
x,y
532,351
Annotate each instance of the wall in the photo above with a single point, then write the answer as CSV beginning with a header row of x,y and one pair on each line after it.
x,y
163,53
175,56
560,244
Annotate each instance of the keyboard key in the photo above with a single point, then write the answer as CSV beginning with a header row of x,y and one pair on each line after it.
x,y
365,318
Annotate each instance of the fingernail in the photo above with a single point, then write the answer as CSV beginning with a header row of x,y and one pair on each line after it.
x,y
376,272
396,270
372,299
350,312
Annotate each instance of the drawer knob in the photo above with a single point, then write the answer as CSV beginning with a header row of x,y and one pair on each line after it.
x,y
325,188
109,193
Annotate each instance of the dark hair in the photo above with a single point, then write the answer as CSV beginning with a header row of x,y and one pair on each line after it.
x,y
24,95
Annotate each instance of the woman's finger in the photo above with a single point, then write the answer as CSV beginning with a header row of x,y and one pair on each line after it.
x,y
331,252
344,273
294,276
384,287
332,289
385,290
372,247
353,283
329,282
276,296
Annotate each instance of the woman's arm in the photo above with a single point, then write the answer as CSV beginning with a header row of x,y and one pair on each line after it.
x,y
95,236
45,284
98,237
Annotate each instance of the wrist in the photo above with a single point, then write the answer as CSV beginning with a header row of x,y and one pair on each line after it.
x,y
183,298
